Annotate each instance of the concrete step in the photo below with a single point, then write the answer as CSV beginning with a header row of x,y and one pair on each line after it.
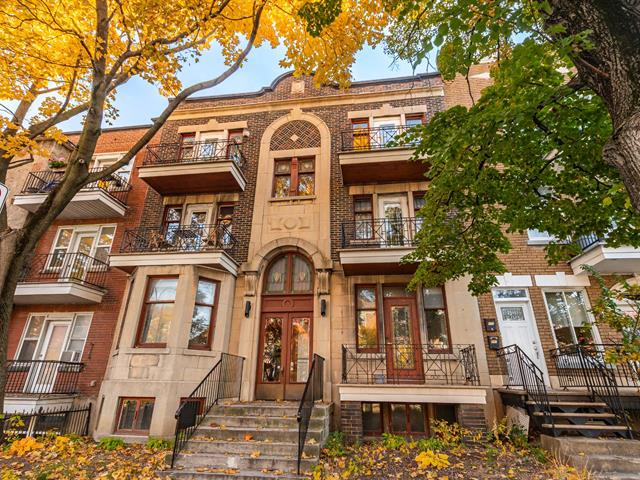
x,y
617,464
192,474
267,409
592,446
573,404
600,428
258,462
570,415
204,445
272,434
258,421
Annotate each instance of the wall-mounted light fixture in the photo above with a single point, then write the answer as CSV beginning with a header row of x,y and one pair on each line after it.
x,y
323,307
247,309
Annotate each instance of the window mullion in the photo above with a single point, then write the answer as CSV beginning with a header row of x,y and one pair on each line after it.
x,y
293,187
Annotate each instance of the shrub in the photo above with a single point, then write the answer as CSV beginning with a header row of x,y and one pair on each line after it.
x,y
158,444
335,445
429,458
393,442
450,434
434,444
110,443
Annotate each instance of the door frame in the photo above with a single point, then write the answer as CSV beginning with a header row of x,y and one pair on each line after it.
x,y
415,375
531,317
43,344
403,200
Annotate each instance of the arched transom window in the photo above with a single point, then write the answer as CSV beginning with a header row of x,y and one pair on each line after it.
x,y
290,273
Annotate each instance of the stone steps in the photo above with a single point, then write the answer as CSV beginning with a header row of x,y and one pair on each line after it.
x,y
256,440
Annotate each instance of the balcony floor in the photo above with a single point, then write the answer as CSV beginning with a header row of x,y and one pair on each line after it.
x,y
85,204
201,177
57,293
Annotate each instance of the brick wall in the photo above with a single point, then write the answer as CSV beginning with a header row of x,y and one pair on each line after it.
x,y
351,421
467,90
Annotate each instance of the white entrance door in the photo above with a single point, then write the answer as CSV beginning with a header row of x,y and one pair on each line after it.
x,y
394,211
517,328
43,376
79,258
197,219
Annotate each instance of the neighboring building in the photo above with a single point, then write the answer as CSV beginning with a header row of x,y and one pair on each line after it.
x,y
271,225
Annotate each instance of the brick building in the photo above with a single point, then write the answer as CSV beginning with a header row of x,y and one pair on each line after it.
x,y
271,225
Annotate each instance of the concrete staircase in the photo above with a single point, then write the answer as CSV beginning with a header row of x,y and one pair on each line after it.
x,y
605,459
257,440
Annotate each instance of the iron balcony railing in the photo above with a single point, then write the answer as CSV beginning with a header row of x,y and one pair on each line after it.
x,y
376,138
586,241
66,267
179,238
194,152
47,180
380,233
223,381
313,391
396,363
569,365
43,377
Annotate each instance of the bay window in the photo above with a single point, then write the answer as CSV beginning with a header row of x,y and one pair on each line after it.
x,y
203,318
157,311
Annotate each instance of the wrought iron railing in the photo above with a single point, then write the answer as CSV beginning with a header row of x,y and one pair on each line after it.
x,y
62,421
66,267
395,363
586,241
223,381
47,180
601,380
179,238
380,233
313,391
376,138
520,371
43,377
194,152
569,366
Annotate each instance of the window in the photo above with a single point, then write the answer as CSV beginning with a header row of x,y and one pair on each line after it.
x,y
157,311
569,317
386,129
187,145
203,318
367,335
537,237
363,215
224,220
171,221
290,273
414,119
361,133
233,149
36,343
509,293
418,203
410,418
134,414
294,177
371,418
436,319
103,161
93,241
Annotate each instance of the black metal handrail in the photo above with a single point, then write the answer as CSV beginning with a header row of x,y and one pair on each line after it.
x,y
569,367
397,363
375,138
599,379
66,267
223,381
47,180
521,371
313,390
179,238
586,241
62,421
380,232
43,377
194,152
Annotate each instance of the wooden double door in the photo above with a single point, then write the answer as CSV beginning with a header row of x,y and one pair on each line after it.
x,y
285,350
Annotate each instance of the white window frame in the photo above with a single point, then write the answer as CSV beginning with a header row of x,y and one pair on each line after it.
x,y
541,238
596,333
70,317
103,160
79,230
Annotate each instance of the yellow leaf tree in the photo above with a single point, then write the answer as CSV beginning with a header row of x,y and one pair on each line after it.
x,y
64,58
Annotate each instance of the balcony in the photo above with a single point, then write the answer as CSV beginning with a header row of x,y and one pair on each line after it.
x,y
42,377
604,259
393,372
376,155
211,245
62,278
106,198
378,246
195,167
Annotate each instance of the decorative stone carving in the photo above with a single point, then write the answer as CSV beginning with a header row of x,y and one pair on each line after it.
x,y
250,282
323,277
293,222
295,134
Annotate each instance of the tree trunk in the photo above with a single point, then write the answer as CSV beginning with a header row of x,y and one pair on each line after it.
x,y
7,248
612,70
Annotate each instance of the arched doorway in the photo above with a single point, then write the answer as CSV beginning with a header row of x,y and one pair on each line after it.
x,y
284,353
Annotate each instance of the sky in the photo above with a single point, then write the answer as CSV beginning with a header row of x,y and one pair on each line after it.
x,y
138,102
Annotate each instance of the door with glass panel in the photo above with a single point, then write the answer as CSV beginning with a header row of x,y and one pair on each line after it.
x,y
403,347
43,375
394,211
197,221
212,145
386,129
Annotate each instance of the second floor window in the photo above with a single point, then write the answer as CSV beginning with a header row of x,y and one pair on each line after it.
x,y
157,311
294,177
436,319
203,318
92,241
363,217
